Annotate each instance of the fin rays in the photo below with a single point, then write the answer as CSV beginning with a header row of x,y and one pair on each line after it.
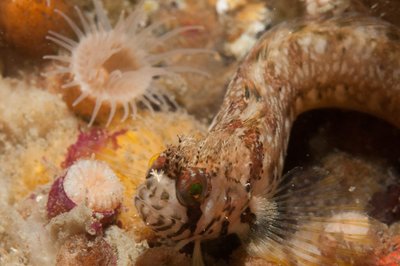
x,y
305,211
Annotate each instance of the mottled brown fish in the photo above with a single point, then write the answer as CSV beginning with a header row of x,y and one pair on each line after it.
x,y
230,182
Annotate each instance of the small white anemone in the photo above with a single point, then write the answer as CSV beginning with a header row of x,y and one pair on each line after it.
x,y
93,183
114,65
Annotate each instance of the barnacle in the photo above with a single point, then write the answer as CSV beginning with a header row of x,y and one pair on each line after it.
x,y
117,66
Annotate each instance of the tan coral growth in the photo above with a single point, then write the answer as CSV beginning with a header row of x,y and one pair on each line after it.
x,y
34,139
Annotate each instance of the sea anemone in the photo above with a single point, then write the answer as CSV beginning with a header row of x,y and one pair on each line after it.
x,y
88,182
117,65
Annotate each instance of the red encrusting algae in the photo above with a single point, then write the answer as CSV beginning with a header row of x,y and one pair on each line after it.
x,y
90,142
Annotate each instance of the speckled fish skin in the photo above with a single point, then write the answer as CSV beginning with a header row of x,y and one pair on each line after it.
x,y
349,61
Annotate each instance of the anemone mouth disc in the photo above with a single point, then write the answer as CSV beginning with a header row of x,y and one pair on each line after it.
x,y
93,183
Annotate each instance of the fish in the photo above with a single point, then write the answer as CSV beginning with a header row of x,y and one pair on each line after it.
x,y
231,181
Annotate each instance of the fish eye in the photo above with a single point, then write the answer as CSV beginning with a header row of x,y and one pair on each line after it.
x,y
191,186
